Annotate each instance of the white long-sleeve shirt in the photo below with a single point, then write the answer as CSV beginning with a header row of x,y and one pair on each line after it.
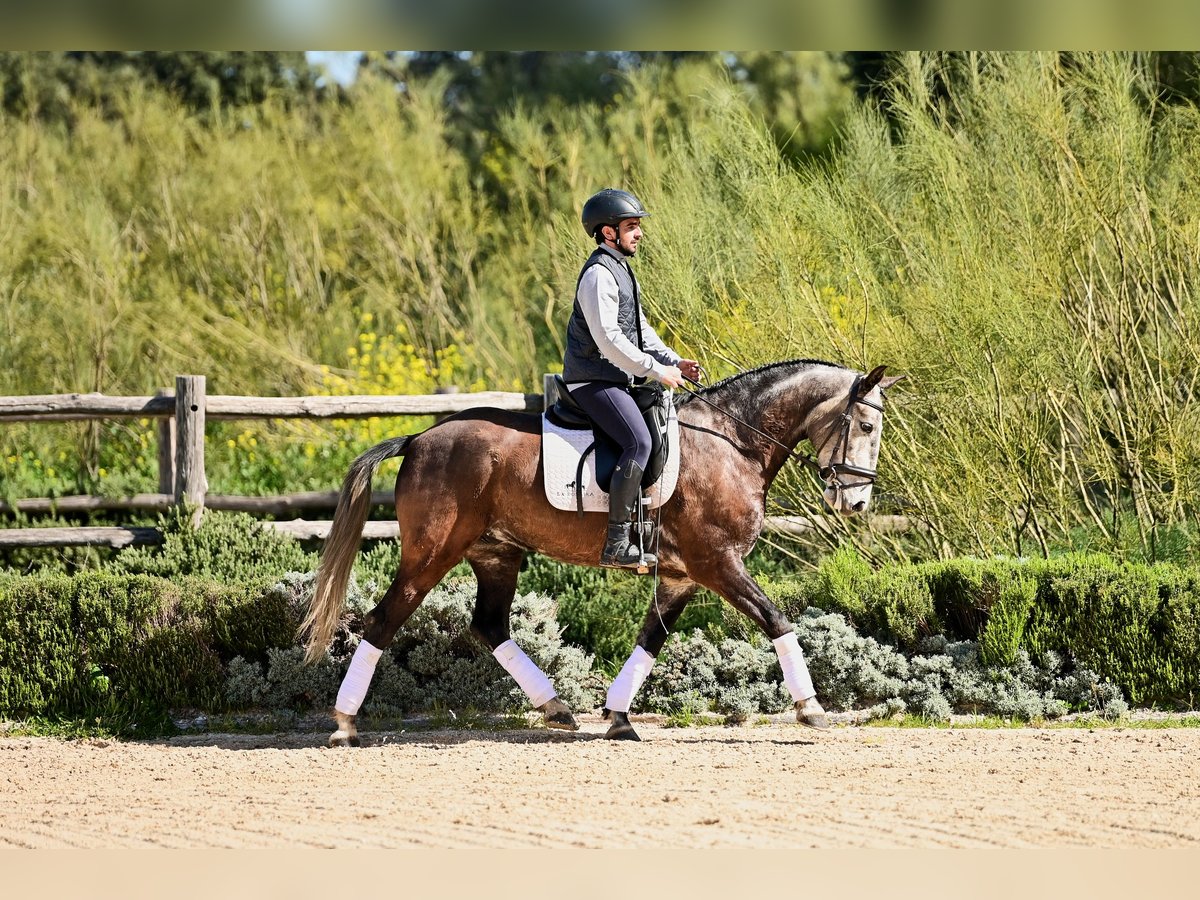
x,y
597,296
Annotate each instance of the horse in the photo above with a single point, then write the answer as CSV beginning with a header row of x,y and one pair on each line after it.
x,y
471,486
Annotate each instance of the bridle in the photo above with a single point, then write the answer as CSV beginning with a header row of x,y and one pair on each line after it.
x,y
832,473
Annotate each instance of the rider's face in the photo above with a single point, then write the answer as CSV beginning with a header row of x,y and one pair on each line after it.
x,y
628,235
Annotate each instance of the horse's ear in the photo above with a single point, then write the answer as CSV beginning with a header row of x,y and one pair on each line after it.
x,y
869,381
875,377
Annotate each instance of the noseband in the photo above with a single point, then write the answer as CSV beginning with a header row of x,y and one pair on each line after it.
x,y
832,473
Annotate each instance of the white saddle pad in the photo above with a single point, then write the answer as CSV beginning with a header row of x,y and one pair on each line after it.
x,y
561,449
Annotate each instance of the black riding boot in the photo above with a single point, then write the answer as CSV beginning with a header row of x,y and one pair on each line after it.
x,y
624,494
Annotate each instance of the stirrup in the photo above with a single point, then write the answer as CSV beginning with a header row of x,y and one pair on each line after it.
x,y
621,553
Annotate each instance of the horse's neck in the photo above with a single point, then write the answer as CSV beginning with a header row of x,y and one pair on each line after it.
x,y
799,408
788,409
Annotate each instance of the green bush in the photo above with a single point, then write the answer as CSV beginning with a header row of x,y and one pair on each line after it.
x,y
1135,625
1041,637
226,547
602,611
127,647
853,672
1002,636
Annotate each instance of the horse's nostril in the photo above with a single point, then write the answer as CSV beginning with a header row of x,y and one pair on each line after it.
x,y
860,505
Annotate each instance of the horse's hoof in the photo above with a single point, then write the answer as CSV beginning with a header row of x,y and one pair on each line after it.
x,y
342,739
622,733
347,731
621,730
556,714
809,712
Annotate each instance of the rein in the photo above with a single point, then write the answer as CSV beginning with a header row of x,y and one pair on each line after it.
x,y
832,473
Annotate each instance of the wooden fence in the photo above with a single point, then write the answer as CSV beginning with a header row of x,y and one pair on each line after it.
x,y
181,416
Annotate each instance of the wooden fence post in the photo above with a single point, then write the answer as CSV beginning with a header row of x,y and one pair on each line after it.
x,y
166,449
190,483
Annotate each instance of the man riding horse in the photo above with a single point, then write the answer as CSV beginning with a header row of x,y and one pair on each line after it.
x,y
611,346
468,489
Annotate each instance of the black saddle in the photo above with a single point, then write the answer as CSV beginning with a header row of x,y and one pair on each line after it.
x,y
651,399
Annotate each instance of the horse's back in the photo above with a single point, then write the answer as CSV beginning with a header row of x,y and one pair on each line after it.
x,y
482,440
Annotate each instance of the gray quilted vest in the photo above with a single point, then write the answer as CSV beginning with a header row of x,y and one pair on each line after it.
x,y
582,360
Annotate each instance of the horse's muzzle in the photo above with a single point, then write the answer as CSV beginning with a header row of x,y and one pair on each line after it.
x,y
848,501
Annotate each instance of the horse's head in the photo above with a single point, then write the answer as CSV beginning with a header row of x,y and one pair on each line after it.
x,y
849,442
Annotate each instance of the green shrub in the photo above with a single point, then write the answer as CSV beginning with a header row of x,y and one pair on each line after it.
x,y
893,603
434,662
1003,634
1135,625
1073,632
603,611
227,547
127,647
40,656
853,672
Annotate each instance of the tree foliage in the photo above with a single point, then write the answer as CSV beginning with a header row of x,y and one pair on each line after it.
x,y
51,86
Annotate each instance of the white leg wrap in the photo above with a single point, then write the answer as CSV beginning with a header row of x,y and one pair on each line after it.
x,y
795,669
525,673
629,680
358,679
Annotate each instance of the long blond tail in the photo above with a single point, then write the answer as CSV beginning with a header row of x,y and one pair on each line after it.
x,y
337,559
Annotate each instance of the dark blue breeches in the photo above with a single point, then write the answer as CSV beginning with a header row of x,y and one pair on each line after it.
x,y
616,414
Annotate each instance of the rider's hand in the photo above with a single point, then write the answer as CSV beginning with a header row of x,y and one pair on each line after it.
x,y
673,378
690,368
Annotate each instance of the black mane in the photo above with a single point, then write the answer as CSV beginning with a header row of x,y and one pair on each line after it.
x,y
745,380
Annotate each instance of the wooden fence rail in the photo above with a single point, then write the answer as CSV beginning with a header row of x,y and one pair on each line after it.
x,y
182,415
75,407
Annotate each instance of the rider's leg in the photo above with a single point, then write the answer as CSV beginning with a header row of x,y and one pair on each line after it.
x,y
615,413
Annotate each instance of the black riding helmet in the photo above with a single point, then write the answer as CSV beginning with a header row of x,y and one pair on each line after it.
x,y
610,207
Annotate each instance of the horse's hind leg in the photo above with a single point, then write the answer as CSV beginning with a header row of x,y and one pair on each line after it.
x,y
669,601
418,575
496,568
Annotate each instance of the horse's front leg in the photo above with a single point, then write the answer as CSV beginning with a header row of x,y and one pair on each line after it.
x,y
731,580
670,599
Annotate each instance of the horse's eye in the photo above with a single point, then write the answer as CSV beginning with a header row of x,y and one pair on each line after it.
x,y
867,426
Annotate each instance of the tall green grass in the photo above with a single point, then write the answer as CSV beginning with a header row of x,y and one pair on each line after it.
x,y
1015,231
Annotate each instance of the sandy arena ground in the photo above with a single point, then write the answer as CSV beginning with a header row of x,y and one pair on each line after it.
x,y
769,786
